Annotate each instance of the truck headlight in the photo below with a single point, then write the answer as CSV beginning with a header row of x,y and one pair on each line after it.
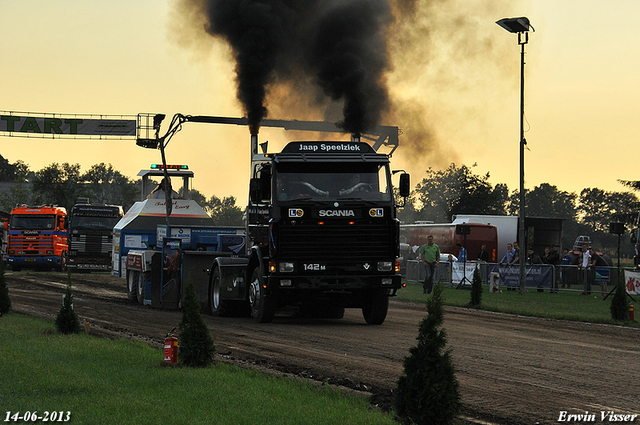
x,y
285,282
285,267
385,266
387,281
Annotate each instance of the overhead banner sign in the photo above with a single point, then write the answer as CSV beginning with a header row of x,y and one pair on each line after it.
x,y
54,126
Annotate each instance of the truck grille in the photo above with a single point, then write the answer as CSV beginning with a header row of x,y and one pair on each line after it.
x,y
22,243
339,243
92,244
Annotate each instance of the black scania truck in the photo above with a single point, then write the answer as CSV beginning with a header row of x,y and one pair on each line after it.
x,y
321,227
322,234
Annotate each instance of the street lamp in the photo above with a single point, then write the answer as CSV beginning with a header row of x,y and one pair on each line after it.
x,y
520,26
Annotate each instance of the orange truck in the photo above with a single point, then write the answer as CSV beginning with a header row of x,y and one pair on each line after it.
x,y
37,238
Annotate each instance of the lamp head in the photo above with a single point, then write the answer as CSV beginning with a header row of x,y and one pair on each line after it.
x,y
515,25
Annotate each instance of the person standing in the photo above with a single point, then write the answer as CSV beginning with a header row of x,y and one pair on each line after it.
x,y
483,255
597,261
430,256
462,253
565,262
516,254
553,258
586,263
509,255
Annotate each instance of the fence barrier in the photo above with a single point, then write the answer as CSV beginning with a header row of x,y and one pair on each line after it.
x,y
543,277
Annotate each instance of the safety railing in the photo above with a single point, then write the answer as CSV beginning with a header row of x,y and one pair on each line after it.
x,y
542,277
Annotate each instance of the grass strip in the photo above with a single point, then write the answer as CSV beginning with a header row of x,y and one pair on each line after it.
x,y
563,305
102,381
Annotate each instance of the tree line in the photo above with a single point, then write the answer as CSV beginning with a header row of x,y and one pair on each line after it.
x,y
63,184
441,194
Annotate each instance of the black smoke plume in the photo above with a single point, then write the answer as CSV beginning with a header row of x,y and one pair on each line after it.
x,y
340,44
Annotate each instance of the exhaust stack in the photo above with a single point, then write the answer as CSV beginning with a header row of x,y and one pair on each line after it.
x,y
254,144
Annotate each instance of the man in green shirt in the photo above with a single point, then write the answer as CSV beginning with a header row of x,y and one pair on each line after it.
x,y
429,255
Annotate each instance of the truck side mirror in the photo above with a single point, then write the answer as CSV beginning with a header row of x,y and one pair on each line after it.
x,y
405,186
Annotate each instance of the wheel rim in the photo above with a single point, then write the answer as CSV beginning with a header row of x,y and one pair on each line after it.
x,y
215,296
254,293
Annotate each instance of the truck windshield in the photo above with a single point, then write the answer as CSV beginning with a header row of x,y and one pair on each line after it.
x,y
327,181
33,222
93,223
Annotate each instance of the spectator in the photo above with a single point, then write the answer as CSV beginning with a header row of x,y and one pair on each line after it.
x,y
533,257
430,256
484,254
545,256
554,256
597,261
509,255
516,254
586,262
565,274
462,253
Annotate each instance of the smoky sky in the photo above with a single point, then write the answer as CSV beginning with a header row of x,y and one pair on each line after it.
x,y
340,45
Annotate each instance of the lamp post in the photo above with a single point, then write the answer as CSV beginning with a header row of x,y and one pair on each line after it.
x,y
521,27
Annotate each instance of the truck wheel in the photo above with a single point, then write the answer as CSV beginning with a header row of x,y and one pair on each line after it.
x,y
375,307
142,279
218,306
262,305
132,286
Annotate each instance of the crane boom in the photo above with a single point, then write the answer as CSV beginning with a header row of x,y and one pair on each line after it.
x,y
380,135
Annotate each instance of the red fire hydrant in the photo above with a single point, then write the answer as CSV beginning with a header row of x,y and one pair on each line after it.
x,y
631,318
171,348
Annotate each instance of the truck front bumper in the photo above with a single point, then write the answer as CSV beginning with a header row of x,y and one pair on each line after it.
x,y
335,283
33,262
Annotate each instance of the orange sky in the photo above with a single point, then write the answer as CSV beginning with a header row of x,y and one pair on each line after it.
x,y
455,89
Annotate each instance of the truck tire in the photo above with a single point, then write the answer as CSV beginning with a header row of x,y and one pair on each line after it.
x,y
375,307
132,286
143,277
263,306
218,306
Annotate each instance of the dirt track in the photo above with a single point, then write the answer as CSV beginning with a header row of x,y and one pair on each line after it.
x,y
511,369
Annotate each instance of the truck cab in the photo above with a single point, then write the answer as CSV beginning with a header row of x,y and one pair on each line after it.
x,y
322,231
37,238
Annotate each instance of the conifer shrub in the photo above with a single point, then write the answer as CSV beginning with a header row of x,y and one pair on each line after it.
x,y
195,348
427,392
67,321
476,288
619,304
5,301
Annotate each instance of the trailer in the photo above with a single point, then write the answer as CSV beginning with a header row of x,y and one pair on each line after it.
x,y
157,258
447,235
506,225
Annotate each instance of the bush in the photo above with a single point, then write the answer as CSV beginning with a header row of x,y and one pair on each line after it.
x,y
5,301
67,320
196,347
476,288
427,392
619,304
